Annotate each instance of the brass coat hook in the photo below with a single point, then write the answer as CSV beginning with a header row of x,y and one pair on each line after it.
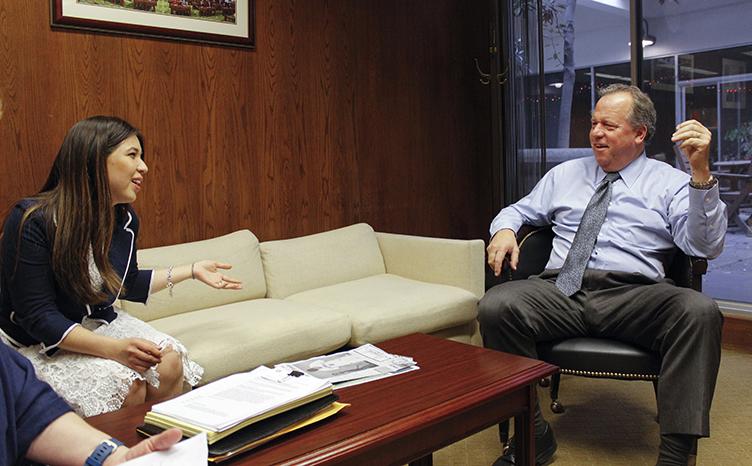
x,y
485,78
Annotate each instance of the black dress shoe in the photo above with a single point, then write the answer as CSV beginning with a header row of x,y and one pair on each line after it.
x,y
545,447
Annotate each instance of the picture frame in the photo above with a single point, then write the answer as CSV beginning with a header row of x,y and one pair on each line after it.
x,y
220,22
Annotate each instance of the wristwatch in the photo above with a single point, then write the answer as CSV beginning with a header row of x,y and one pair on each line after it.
x,y
704,185
103,450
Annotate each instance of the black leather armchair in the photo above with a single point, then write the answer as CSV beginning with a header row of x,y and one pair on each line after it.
x,y
596,357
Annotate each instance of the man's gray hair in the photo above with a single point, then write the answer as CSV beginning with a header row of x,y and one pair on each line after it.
x,y
643,110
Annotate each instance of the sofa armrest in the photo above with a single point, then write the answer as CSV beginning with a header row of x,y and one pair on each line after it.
x,y
435,260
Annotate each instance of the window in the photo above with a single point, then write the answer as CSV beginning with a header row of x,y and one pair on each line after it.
x,y
698,65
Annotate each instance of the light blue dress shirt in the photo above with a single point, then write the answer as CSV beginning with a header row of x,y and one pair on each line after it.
x,y
652,210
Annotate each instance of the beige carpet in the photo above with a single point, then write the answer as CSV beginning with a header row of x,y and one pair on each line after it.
x,y
610,422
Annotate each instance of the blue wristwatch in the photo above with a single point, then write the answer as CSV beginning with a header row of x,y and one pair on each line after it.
x,y
102,451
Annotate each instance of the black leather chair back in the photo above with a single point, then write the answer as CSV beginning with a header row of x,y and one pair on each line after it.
x,y
535,249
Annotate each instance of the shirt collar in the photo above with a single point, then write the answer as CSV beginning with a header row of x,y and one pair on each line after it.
x,y
629,174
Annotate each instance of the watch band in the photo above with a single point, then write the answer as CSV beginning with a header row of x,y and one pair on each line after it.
x,y
103,450
705,185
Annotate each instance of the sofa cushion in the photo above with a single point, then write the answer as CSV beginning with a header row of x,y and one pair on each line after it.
x,y
251,333
241,249
386,306
323,259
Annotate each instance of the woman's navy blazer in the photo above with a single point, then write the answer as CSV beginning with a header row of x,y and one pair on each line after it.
x,y
33,307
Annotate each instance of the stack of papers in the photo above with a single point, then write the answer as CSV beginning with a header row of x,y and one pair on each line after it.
x,y
229,404
362,364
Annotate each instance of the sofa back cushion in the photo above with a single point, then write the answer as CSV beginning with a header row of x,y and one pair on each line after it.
x,y
323,259
240,249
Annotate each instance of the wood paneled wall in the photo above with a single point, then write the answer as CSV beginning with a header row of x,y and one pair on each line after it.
x,y
347,111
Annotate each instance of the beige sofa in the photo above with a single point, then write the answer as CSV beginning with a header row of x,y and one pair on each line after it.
x,y
311,295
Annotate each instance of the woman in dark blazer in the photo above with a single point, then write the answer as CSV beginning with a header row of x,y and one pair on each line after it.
x,y
68,253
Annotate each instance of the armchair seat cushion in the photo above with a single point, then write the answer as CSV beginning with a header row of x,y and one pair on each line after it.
x,y
385,306
600,357
256,332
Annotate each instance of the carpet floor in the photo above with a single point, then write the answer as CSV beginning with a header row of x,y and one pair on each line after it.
x,y
611,422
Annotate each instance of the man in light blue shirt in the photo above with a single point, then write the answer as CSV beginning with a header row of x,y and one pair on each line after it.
x,y
653,209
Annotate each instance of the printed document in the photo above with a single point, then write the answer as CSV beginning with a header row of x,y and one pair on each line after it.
x,y
227,402
358,365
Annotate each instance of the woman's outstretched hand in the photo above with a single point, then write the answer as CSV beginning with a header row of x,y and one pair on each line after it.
x,y
210,272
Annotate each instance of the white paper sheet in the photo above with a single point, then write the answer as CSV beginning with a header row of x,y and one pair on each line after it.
x,y
358,365
227,402
190,452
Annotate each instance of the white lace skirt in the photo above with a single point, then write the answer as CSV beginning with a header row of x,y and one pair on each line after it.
x,y
93,385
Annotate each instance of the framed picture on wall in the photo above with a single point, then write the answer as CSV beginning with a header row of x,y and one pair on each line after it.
x,y
223,22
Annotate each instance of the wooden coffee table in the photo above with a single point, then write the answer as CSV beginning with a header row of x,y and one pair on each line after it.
x,y
459,390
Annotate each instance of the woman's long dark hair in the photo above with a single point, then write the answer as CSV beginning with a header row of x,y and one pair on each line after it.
x,y
76,204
